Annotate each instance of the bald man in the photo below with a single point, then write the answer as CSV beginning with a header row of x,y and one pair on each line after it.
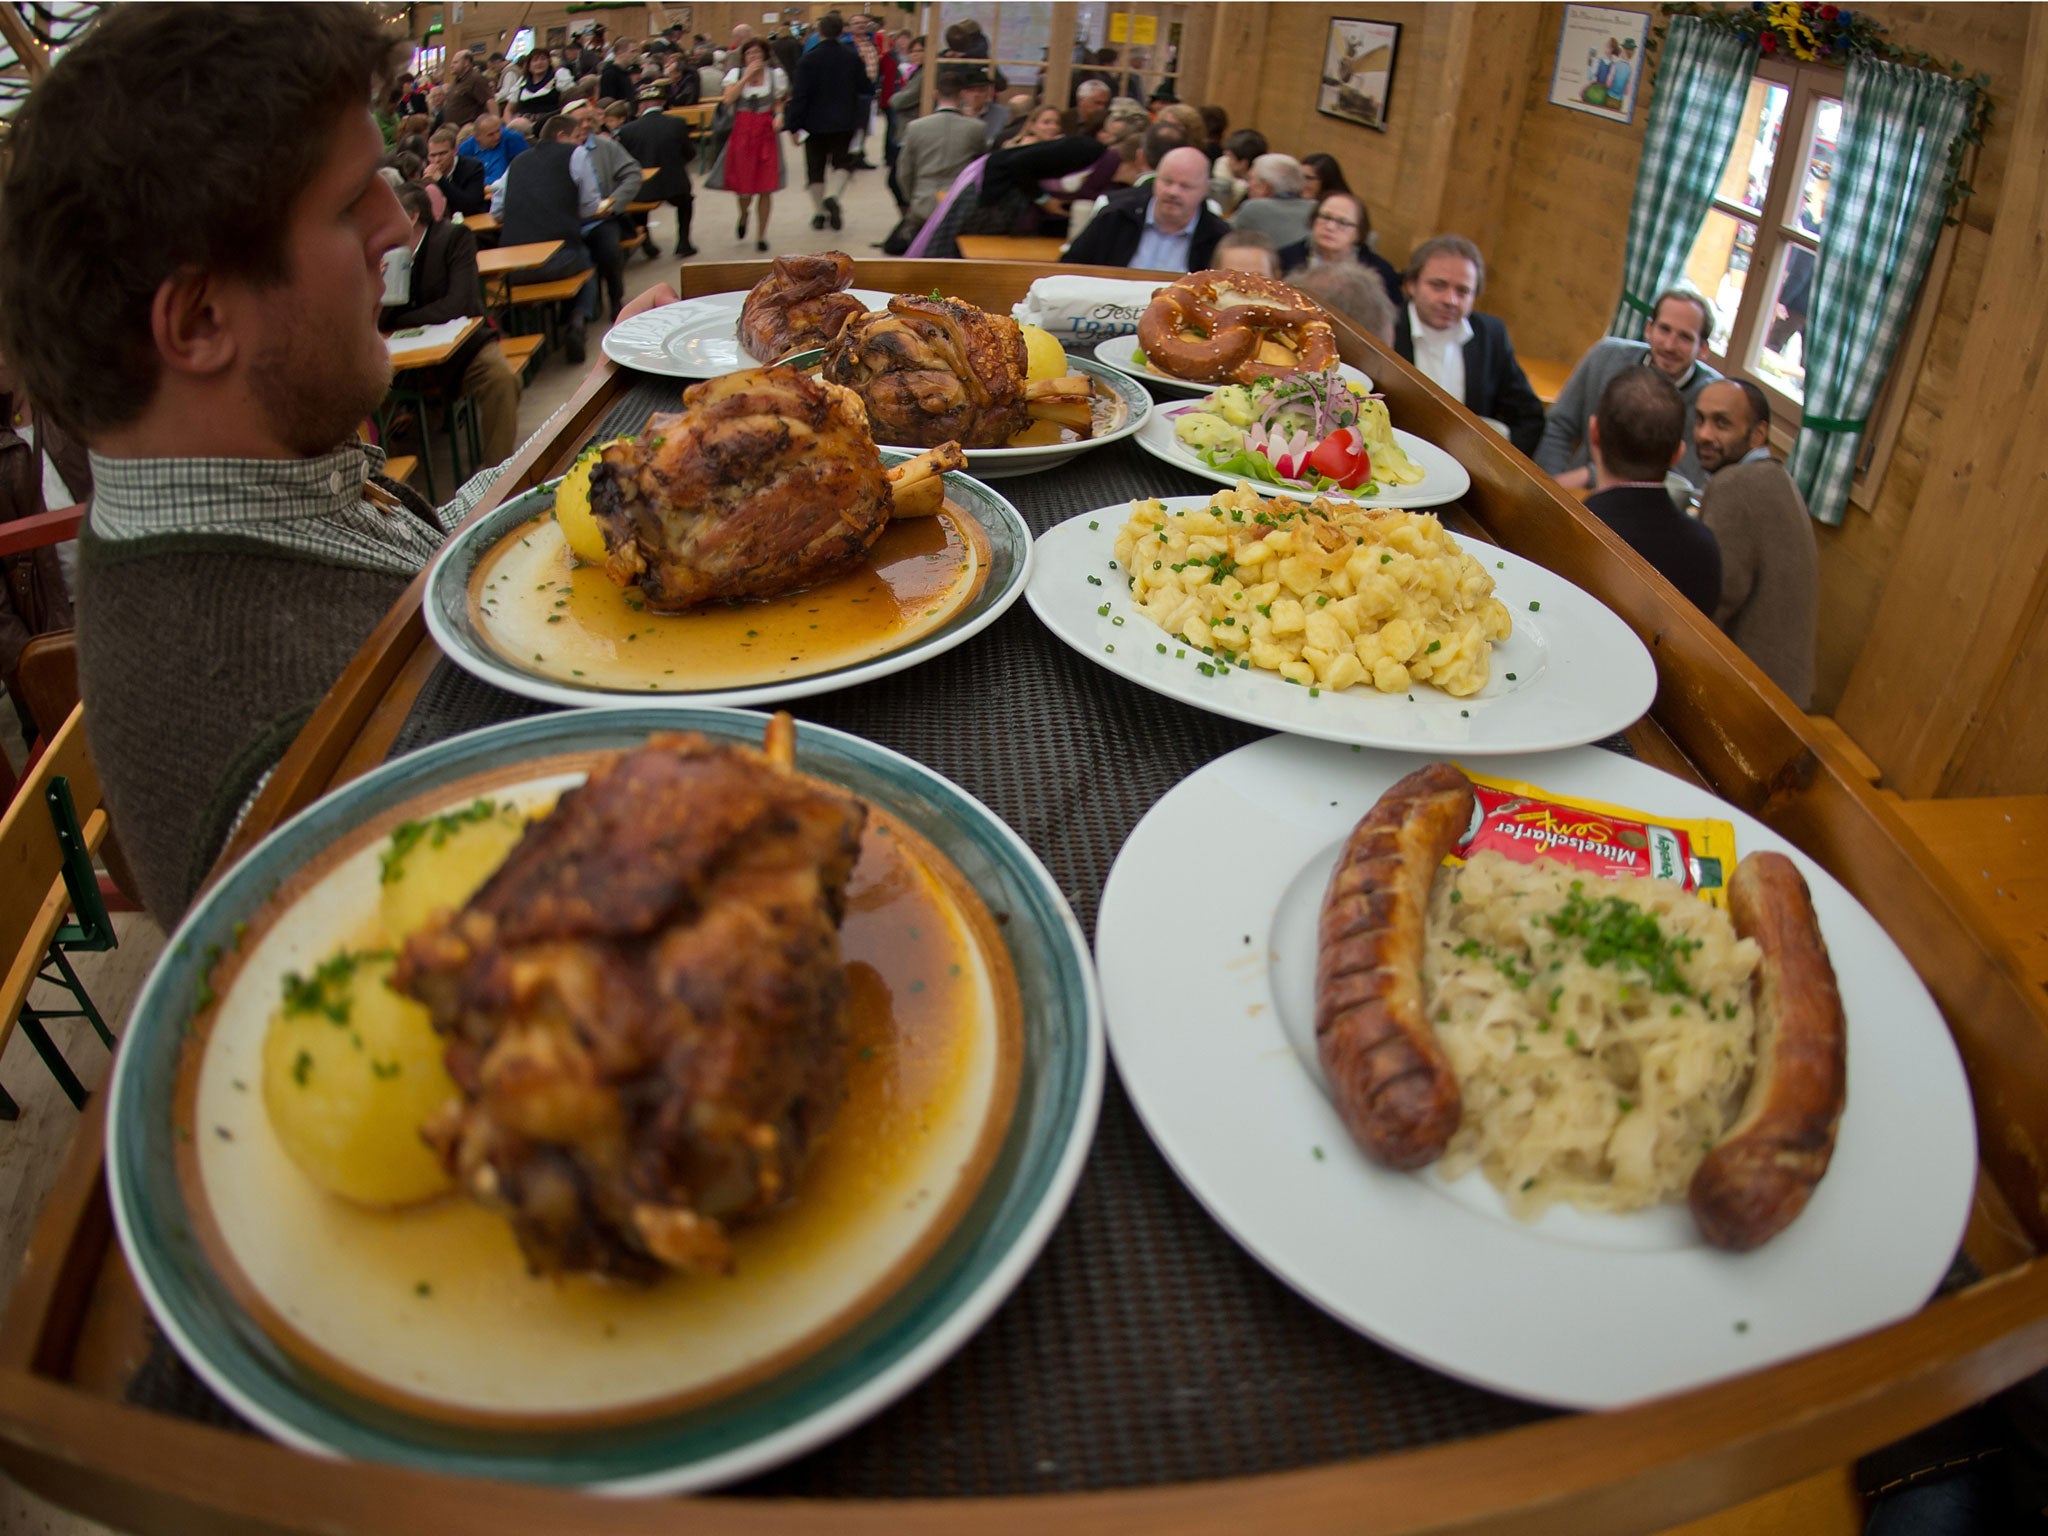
x,y
1162,226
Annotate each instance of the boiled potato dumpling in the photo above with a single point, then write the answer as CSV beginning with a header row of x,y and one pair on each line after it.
x,y
1233,403
1199,429
350,1070
1044,357
438,863
572,508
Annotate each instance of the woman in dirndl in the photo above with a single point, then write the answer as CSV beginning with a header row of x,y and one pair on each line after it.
x,y
752,167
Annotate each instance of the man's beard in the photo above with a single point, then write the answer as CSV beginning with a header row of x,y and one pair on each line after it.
x,y
311,401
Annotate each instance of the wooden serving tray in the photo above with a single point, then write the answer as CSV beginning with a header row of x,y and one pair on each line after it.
x,y
74,1331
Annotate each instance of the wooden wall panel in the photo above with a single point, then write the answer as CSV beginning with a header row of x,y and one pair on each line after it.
x,y
1400,173
1948,694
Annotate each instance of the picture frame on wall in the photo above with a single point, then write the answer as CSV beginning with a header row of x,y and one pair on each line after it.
x,y
1358,71
1600,61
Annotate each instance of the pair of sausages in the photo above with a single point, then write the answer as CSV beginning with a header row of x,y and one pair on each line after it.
x,y
1394,1085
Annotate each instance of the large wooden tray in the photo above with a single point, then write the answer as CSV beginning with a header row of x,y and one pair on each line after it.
x,y
74,1332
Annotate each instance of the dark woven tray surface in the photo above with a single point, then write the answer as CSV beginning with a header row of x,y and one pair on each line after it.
x,y
1144,1346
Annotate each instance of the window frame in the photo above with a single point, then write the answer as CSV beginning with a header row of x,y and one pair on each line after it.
x,y
1776,226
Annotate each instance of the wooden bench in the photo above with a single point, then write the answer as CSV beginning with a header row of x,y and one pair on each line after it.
x,y
46,870
633,242
520,352
547,298
1546,378
401,467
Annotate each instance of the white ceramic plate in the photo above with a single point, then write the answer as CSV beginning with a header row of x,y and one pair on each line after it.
x,y
1571,672
1121,353
1133,407
454,623
788,1411
1443,478
696,338
1211,1023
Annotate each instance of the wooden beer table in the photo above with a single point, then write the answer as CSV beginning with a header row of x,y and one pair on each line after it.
x,y
1421,1453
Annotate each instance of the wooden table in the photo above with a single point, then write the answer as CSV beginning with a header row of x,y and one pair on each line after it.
x,y
507,259
1011,247
480,223
497,266
75,1322
698,116
427,357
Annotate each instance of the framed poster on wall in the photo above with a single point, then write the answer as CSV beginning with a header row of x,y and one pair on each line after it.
x,y
1600,61
1358,71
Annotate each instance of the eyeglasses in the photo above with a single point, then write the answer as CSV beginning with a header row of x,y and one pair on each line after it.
x,y
1332,219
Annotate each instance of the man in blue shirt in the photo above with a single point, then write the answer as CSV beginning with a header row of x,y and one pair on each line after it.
x,y
495,145
1162,226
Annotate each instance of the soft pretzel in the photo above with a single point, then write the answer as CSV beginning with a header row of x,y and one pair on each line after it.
x,y
1210,326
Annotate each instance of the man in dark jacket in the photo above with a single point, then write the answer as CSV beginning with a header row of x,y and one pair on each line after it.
x,y
543,200
1468,355
1637,433
460,177
654,138
1163,226
829,96
445,286
620,79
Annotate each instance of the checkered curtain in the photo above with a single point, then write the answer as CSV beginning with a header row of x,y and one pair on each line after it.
x,y
1702,80
1885,208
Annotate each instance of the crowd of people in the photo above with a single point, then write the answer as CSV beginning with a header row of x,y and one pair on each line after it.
x,y
558,144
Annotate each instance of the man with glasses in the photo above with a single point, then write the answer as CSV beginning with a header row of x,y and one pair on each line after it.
x,y
1680,323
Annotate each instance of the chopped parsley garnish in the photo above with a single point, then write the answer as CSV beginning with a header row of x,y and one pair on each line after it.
x,y
433,831
326,991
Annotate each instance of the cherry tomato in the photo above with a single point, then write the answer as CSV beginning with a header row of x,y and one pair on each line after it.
x,y
1342,457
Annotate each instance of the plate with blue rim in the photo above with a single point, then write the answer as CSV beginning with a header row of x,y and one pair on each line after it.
x,y
769,1416
1121,406
980,526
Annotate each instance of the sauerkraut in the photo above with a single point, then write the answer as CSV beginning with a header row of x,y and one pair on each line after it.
x,y
1601,1030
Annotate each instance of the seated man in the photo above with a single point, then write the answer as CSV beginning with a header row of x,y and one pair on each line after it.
x,y
1770,563
1273,204
1162,226
939,146
616,174
1638,432
547,196
1468,355
1246,250
460,178
241,545
494,146
1679,327
444,285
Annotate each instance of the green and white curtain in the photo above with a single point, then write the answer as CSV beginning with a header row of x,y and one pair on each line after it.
x,y
1885,212
1702,80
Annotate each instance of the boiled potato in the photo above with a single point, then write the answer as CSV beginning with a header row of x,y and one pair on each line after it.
x,y
350,1070
1199,429
1044,357
1233,403
438,863
572,508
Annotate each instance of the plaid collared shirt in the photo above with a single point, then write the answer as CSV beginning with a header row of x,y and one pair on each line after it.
x,y
314,508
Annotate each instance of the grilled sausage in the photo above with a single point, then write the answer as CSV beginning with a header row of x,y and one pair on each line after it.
x,y
1751,1186
1392,1081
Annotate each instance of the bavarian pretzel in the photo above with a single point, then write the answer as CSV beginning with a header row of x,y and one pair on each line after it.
x,y
1393,1083
1759,1177
1228,332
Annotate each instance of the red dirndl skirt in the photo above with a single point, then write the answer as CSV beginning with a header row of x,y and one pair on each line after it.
x,y
753,162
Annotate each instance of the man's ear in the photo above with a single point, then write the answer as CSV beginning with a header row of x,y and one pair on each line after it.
x,y
190,324
1677,453
1593,436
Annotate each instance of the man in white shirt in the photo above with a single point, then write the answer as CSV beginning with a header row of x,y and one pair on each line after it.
x,y
1467,354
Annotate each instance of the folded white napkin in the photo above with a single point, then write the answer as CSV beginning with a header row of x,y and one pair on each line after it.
x,y
1085,309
